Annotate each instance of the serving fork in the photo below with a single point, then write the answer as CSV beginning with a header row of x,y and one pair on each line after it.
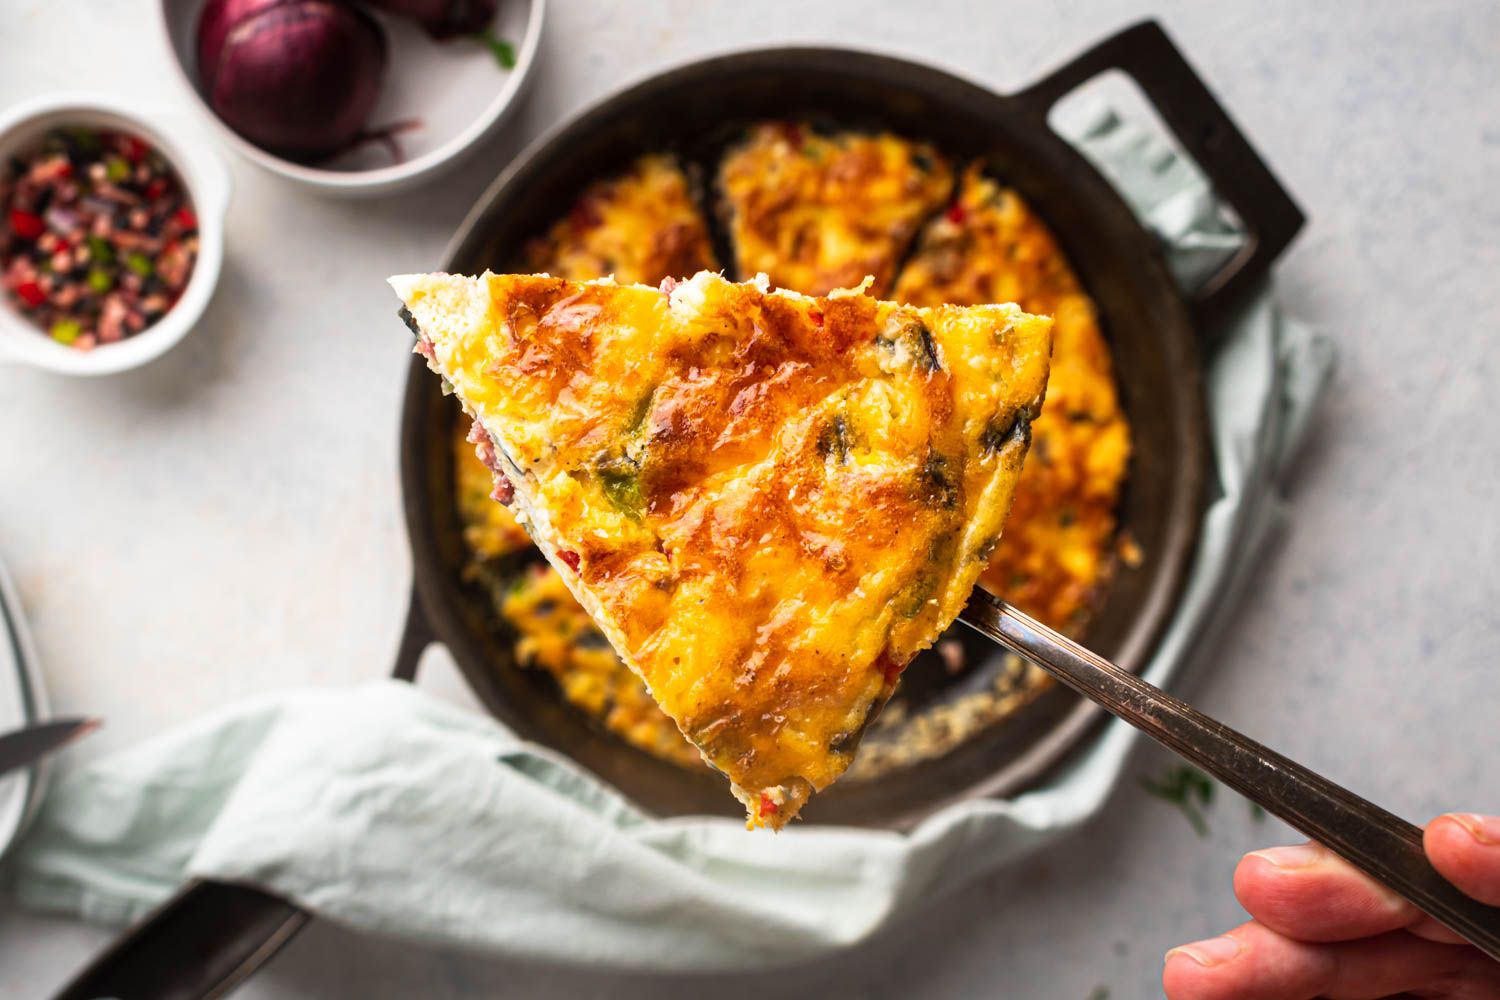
x,y
1382,845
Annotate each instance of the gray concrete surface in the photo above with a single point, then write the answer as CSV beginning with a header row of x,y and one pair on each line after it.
x,y
220,523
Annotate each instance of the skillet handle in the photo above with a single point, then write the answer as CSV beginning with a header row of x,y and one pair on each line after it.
x,y
1210,136
416,636
211,936
198,945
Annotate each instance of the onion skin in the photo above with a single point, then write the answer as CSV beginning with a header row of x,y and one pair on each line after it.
x,y
443,19
214,23
299,78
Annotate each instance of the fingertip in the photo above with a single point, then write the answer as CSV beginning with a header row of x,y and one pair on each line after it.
x,y
1201,970
1471,828
1258,873
1465,849
1445,837
1307,893
1180,976
1253,877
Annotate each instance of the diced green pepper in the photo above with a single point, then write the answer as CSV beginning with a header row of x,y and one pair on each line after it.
x,y
100,250
101,280
65,331
116,169
640,412
621,483
85,140
917,595
139,263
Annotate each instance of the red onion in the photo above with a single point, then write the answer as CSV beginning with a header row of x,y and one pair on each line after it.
x,y
298,78
442,18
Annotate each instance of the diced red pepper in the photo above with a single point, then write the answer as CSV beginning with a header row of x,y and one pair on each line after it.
x,y
793,133
31,293
571,558
26,225
890,668
768,806
185,218
156,188
817,317
133,149
956,213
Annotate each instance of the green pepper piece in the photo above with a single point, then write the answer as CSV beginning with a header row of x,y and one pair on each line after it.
x,y
65,331
100,250
116,169
85,140
139,263
621,482
101,280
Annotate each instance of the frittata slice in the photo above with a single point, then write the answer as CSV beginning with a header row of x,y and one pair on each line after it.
x,y
768,502
818,211
990,246
642,225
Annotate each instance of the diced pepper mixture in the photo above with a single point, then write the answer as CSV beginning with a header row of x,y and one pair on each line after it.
x,y
99,237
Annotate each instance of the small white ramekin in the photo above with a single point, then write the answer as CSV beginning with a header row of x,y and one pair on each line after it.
x,y
207,181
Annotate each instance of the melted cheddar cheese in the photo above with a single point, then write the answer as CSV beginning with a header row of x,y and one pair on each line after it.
x,y
640,226
768,502
990,247
817,212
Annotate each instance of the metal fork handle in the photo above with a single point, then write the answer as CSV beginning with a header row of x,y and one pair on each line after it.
x,y
1383,846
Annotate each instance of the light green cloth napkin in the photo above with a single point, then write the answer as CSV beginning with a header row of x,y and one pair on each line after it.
x,y
391,812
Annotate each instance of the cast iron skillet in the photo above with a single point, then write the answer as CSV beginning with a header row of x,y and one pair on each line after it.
x,y
692,110
1152,328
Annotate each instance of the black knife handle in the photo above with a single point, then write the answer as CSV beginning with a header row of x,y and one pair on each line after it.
x,y
200,944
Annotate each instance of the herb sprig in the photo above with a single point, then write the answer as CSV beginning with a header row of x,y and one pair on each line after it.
x,y
1187,788
503,51
1191,791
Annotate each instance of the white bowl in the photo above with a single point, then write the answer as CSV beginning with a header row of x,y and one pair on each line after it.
x,y
455,89
204,175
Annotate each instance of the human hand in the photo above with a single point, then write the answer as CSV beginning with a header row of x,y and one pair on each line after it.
x,y
1323,929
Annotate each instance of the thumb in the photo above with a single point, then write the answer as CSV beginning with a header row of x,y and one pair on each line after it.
x,y
1465,849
